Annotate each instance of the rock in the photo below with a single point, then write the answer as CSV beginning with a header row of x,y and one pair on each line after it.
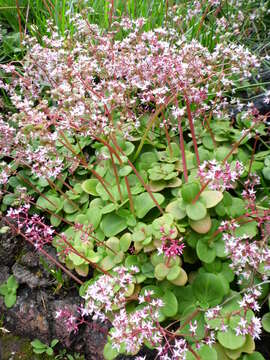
x,y
30,259
27,318
25,276
10,246
4,275
94,338
59,328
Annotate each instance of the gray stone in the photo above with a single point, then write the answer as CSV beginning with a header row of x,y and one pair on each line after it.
x,y
25,276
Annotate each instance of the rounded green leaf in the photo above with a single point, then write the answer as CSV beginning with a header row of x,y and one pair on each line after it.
x,y
255,356
125,170
55,220
196,211
201,226
230,340
10,300
49,202
161,271
189,191
112,224
143,203
94,216
266,173
181,279
207,353
211,198
49,351
248,347
266,322
170,307
69,207
76,259
204,252
89,186
125,241
237,208
107,263
174,208
208,290
109,352
173,273
250,228
82,270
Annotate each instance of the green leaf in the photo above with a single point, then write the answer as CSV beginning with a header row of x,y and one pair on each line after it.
x,y
143,203
266,173
82,270
266,322
255,356
49,351
201,226
170,307
109,352
211,198
69,207
174,208
237,208
206,352
94,216
55,220
125,241
161,271
230,340
248,347
107,263
10,300
37,344
76,259
89,186
4,289
12,282
181,279
204,252
54,342
50,202
39,351
112,224
189,191
196,211
250,229
208,290
8,199
125,170
173,273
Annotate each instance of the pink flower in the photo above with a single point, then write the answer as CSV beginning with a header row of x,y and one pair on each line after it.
x,y
220,176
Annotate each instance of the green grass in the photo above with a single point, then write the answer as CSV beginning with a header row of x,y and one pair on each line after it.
x,y
30,16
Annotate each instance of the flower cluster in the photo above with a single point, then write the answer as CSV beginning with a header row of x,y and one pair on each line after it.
x,y
171,247
221,176
32,227
246,255
133,329
108,292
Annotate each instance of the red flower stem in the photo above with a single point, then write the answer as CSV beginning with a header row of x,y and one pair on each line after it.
x,y
130,196
182,147
116,178
57,263
192,130
92,170
147,188
252,155
235,146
